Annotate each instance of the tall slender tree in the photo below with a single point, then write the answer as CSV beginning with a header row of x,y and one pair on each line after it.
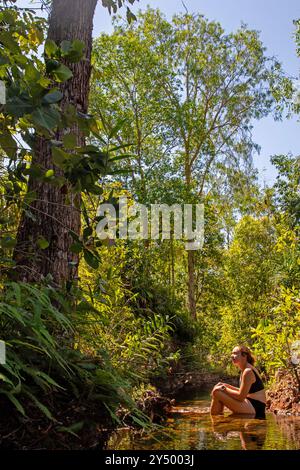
x,y
44,241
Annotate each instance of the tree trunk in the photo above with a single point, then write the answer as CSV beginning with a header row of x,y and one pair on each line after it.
x,y
191,256
172,266
55,210
192,284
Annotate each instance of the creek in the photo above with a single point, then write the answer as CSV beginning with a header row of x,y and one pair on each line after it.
x,y
189,426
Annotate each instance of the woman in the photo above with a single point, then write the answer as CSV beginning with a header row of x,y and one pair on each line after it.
x,y
250,397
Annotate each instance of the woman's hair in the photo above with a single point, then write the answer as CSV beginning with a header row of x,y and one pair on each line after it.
x,y
246,352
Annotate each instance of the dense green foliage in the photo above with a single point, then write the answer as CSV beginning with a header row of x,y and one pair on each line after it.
x,y
39,357
175,118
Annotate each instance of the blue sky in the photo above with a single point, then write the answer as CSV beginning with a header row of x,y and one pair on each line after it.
x,y
274,19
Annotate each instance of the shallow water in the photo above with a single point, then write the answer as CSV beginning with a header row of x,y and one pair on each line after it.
x,y
190,427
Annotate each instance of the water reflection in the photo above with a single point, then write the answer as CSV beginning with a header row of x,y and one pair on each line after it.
x,y
251,432
190,426
290,426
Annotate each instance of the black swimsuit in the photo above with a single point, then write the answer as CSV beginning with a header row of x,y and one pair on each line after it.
x,y
259,406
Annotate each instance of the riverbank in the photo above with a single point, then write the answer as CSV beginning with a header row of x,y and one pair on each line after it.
x,y
180,382
158,399
283,397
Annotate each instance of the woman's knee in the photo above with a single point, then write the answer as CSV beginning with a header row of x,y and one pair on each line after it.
x,y
216,393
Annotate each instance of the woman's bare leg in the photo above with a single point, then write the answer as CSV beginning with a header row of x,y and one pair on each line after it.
x,y
216,407
236,406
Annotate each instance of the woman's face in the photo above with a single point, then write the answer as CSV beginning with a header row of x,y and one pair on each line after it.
x,y
237,358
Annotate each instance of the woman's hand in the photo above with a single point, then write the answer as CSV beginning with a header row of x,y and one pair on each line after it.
x,y
219,386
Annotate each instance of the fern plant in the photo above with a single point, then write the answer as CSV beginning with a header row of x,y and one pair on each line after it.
x,y
36,325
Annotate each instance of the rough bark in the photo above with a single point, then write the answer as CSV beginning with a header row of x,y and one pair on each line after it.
x,y
56,210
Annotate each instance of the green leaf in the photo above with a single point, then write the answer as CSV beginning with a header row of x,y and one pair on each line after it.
x,y
88,232
43,243
7,39
40,405
130,16
52,97
95,189
6,379
34,171
65,47
120,157
119,147
7,16
15,402
89,149
91,259
8,242
9,145
87,365
76,248
74,236
32,74
72,429
52,65
38,374
73,52
114,131
46,117
30,197
69,141
51,48
49,173
18,105
62,73
59,156
4,60
120,172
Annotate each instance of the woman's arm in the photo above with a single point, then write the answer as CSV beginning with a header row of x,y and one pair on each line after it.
x,y
242,392
219,384
222,384
231,387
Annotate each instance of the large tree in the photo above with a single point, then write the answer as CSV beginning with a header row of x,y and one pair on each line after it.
x,y
203,87
54,218
53,213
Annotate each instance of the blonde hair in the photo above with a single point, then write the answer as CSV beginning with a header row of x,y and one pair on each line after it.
x,y
247,352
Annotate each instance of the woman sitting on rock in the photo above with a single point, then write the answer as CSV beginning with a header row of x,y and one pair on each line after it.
x,y
250,397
